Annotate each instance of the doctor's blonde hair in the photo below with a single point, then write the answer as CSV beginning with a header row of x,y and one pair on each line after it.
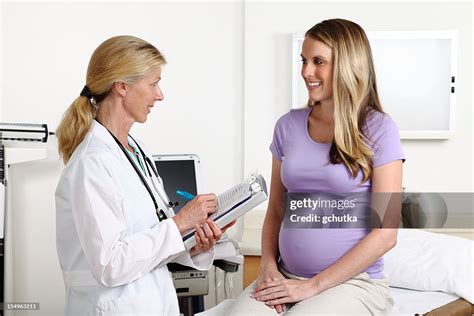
x,y
354,92
120,58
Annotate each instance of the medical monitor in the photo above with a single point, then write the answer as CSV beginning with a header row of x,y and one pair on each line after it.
x,y
178,172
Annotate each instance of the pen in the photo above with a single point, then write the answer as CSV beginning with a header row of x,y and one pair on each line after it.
x,y
185,195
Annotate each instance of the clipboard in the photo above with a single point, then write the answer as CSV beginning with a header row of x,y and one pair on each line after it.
x,y
234,203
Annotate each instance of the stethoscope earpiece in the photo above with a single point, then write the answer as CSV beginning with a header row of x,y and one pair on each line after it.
x,y
171,204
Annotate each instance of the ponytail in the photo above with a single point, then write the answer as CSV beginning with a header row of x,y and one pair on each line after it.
x,y
75,124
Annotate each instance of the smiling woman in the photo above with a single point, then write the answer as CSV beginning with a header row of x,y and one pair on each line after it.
x,y
341,143
317,70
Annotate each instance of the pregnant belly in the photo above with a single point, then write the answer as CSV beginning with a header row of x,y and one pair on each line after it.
x,y
306,252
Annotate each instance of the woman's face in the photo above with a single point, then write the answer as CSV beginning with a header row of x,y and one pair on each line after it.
x,y
317,70
142,95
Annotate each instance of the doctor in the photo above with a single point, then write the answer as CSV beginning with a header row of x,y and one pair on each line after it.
x,y
111,244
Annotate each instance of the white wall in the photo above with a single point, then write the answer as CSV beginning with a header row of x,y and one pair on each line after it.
x,y
46,48
227,81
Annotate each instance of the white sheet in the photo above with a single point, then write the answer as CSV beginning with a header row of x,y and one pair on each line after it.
x,y
410,302
407,302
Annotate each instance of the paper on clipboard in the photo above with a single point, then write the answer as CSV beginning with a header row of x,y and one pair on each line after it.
x,y
234,203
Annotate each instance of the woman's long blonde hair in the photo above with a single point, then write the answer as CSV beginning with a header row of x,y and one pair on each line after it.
x,y
354,92
118,59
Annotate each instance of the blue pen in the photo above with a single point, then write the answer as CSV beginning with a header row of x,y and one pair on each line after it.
x,y
185,195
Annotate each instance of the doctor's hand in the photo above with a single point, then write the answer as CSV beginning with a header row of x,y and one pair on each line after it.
x,y
195,212
207,235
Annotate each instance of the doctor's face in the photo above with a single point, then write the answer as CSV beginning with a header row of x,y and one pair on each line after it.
x,y
142,95
316,70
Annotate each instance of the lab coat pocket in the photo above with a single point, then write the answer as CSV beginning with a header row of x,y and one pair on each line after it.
x,y
129,305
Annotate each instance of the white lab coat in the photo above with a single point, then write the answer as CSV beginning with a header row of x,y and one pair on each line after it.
x,y
111,245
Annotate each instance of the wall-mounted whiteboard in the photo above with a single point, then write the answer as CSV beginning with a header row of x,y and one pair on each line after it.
x,y
416,79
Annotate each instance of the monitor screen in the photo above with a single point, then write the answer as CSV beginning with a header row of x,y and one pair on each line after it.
x,y
177,175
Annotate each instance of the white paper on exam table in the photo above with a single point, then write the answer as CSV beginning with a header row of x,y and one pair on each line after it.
x,y
407,303
410,302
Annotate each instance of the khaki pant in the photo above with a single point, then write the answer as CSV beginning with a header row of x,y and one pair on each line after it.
x,y
360,295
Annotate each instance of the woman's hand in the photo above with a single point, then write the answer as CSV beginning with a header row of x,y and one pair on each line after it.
x,y
207,235
195,212
267,276
286,291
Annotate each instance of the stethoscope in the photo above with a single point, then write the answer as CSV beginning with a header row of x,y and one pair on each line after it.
x,y
148,163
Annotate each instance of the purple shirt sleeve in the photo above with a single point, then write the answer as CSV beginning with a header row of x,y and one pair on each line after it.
x,y
386,144
276,147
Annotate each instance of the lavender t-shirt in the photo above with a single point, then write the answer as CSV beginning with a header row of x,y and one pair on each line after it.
x,y
306,168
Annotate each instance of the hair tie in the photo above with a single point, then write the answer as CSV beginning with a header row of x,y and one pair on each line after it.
x,y
86,92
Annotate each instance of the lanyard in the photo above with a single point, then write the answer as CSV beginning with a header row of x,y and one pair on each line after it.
x,y
160,213
137,158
